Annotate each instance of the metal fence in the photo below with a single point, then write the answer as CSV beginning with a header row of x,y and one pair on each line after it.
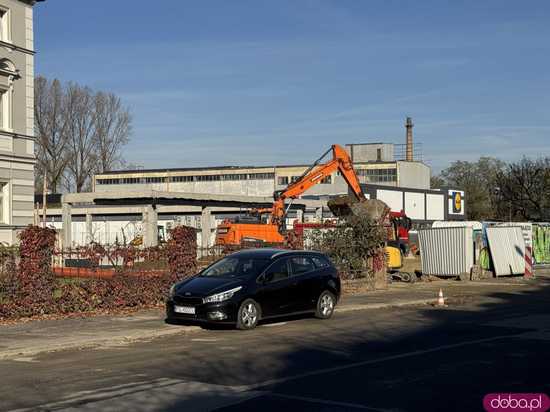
x,y
507,247
541,243
106,262
447,251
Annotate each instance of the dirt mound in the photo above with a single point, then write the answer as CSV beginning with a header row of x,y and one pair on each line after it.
x,y
343,206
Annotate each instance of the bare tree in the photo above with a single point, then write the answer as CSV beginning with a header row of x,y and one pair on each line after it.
x,y
81,137
112,130
51,137
79,132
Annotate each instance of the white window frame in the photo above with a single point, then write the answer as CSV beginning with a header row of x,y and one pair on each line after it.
x,y
5,204
5,25
8,70
6,107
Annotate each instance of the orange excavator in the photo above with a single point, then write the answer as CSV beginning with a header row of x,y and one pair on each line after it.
x,y
273,230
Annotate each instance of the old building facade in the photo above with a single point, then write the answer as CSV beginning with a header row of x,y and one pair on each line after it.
x,y
16,117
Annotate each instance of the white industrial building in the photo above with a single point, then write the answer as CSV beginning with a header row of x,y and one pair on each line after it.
x,y
373,162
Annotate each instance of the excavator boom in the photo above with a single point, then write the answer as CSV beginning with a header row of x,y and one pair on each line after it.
x,y
231,233
340,162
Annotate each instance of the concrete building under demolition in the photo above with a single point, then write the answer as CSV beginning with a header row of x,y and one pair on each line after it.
x,y
375,163
146,203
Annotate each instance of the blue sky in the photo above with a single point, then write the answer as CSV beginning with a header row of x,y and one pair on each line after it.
x,y
271,82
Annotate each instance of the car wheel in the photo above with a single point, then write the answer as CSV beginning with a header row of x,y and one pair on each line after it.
x,y
248,315
325,305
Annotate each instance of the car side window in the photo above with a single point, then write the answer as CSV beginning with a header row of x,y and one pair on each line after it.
x,y
277,271
320,262
301,264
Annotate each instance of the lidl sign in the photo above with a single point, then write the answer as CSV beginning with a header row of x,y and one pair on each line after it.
x,y
456,202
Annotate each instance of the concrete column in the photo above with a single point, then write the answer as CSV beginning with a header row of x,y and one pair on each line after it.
x,y
67,224
319,214
300,215
150,226
206,227
89,228
153,226
144,220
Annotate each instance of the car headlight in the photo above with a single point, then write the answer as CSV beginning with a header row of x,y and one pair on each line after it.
x,y
172,291
220,297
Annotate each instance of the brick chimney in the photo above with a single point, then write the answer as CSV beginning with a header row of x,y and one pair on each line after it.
x,y
409,126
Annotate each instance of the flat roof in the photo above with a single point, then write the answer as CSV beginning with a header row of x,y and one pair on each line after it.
x,y
160,195
221,168
148,196
192,169
368,144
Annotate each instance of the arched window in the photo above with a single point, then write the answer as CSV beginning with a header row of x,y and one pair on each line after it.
x,y
8,73
7,66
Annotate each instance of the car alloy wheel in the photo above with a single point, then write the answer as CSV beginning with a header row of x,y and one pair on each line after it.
x,y
248,315
325,305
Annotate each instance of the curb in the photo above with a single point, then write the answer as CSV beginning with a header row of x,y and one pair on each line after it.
x,y
350,308
95,343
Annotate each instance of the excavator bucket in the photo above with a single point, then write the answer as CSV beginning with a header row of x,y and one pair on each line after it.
x,y
343,206
340,206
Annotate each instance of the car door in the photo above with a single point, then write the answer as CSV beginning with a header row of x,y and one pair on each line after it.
x,y
276,291
306,281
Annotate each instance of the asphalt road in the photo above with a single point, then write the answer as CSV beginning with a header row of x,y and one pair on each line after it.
x,y
399,359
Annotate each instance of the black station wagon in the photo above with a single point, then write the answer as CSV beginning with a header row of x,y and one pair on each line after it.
x,y
248,286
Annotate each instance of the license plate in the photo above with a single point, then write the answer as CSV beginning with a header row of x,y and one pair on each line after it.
x,y
187,310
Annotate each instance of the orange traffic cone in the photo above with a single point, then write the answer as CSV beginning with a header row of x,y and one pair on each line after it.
x,y
440,298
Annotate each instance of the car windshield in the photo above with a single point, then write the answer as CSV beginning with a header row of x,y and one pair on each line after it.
x,y
233,267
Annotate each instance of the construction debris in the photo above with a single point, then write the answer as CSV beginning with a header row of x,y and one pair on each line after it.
x,y
343,206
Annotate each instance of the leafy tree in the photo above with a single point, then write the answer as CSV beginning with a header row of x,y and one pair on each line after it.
x,y
437,182
478,180
522,190
351,243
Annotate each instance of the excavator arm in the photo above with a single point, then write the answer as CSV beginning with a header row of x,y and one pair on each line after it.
x,y
315,174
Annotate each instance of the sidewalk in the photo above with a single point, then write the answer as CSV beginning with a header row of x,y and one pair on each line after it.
x,y
25,340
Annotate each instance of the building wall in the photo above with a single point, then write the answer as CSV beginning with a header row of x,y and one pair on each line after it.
x,y
415,175
17,137
251,186
421,205
369,152
262,181
233,181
